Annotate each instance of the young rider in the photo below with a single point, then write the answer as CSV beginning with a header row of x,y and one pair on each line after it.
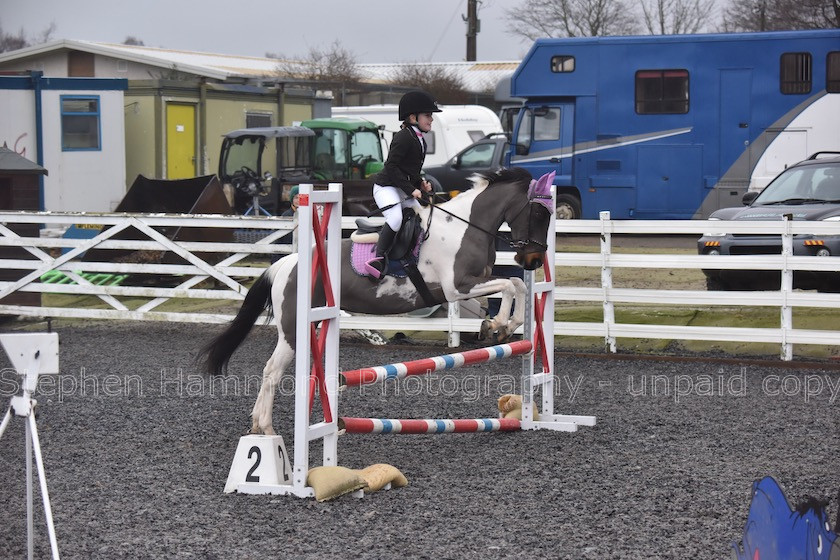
x,y
399,185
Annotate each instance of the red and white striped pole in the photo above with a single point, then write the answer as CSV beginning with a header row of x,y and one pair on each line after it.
x,y
437,426
428,365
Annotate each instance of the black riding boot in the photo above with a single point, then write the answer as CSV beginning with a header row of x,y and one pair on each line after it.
x,y
376,266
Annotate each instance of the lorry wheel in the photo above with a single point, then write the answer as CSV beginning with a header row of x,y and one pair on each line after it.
x,y
568,207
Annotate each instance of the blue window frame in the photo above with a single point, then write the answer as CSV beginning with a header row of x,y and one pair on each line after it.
x,y
80,123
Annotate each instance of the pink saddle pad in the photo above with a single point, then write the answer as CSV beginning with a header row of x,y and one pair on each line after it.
x,y
360,253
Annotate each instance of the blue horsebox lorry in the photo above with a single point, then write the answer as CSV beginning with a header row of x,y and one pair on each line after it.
x,y
673,127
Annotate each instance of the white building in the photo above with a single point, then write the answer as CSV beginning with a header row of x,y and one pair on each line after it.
x,y
73,127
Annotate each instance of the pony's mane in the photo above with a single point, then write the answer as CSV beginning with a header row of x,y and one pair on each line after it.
x,y
516,175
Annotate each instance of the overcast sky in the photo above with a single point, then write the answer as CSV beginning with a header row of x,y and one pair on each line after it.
x,y
374,30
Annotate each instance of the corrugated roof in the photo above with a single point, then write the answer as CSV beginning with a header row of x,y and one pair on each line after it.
x,y
231,65
211,65
12,163
475,76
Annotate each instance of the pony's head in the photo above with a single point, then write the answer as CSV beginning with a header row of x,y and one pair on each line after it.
x,y
526,207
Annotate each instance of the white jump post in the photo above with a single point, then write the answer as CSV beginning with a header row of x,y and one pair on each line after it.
x,y
316,352
32,354
539,328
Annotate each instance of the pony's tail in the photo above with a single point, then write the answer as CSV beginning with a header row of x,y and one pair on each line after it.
x,y
217,352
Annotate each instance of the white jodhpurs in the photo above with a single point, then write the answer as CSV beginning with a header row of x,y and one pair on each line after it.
x,y
394,197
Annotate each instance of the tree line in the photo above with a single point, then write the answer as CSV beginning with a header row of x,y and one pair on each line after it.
x,y
592,18
338,68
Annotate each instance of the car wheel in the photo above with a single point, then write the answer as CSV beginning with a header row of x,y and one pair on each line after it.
x,y
568,207
436,186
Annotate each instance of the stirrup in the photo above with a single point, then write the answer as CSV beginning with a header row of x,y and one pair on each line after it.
x,y
373,271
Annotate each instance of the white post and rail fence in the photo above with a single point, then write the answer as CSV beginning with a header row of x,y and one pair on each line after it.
x,y
160,267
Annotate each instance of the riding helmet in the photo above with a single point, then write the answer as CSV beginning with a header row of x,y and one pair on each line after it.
x,y
415,102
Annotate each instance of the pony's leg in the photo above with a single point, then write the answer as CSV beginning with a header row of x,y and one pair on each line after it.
x,y
521,300
272,373
512,290
496,327
503,325
283,352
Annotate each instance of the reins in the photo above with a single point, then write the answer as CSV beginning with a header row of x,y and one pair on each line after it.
x,y
513,244
432,206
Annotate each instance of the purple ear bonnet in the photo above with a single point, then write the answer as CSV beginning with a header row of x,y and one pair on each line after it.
x,y
540,190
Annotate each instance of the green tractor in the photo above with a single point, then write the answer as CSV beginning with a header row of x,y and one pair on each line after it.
x,y
347,150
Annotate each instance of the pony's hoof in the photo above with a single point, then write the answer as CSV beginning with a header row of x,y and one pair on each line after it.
x,y
490,332
501,335
258,430
486,330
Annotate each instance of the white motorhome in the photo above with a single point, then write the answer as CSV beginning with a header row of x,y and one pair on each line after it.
x,y
453,129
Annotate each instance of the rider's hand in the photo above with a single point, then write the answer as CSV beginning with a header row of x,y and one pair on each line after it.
x,y
416,193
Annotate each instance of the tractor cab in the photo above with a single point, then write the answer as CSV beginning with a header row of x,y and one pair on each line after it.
x,y
345,148
257,166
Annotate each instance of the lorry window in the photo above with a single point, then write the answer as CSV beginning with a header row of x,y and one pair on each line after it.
x,y
562,63
525,132
538,124
661,92
547,124
795,73
832,72
507,116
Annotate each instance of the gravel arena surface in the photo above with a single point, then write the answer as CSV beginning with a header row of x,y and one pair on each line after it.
x,y
137,445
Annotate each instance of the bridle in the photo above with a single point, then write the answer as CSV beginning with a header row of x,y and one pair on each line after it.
x,y
532,205
516,245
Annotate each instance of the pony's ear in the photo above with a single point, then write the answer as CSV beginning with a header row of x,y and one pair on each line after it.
x,y
546,180
542,186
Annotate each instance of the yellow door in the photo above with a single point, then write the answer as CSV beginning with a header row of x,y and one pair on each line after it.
x,y
180,141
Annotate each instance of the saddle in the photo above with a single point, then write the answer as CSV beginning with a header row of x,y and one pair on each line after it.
x,y
403,255
405,242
